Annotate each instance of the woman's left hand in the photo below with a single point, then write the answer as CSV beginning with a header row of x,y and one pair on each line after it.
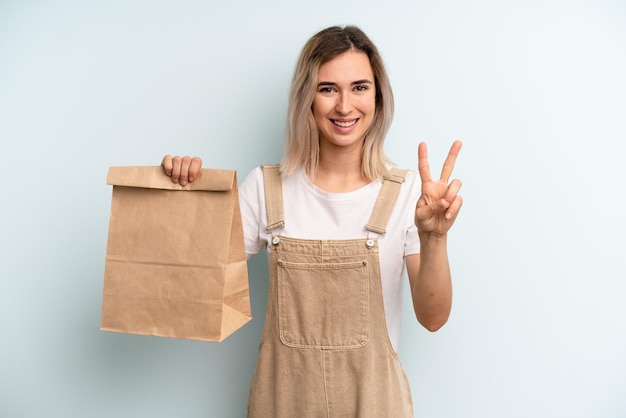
x,y
439,204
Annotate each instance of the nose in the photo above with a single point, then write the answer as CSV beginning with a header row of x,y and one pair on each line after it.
x,y
343,106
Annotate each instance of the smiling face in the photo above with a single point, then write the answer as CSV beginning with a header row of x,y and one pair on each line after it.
x,y
345,100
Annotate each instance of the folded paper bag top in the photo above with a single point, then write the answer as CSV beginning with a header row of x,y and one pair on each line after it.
x,y
154,177
175,263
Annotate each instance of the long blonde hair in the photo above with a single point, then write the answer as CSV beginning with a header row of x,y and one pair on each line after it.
x,y
302,142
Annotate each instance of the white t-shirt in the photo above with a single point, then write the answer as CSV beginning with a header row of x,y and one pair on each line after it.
x,y
311,213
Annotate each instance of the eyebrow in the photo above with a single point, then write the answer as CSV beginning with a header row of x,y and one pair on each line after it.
x,y
330,83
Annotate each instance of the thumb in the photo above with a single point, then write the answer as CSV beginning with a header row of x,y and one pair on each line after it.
x,y
442,205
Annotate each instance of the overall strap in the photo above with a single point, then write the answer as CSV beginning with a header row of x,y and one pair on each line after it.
x,y
273,185
386,200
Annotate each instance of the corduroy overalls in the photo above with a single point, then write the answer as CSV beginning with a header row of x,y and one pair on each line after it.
x,y
325,350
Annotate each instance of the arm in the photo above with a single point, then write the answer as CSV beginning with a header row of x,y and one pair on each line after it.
x,y
429,271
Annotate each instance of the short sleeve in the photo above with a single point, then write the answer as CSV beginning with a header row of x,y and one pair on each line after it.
x,y
412,241
253,216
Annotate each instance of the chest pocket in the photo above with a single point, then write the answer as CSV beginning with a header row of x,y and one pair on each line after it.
x,y
323,306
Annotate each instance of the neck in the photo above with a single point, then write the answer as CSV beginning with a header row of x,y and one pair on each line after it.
x,y
339,170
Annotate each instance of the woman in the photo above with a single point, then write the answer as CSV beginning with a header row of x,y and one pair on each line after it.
x,y
339,225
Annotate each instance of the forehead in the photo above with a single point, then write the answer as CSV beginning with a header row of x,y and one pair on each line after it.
x,y
350,66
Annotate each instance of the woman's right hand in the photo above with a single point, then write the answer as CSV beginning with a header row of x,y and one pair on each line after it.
x,y
182,170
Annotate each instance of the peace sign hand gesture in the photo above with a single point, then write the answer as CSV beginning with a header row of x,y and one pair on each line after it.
x,y
439,204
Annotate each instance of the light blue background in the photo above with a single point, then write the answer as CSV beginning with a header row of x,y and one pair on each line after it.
x,y
536,89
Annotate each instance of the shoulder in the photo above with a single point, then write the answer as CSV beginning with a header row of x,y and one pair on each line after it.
x,y
411,178
252,183
253,176
251,194
411,188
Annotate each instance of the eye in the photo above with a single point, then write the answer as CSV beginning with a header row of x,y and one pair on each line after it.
x,y
326,89
362,87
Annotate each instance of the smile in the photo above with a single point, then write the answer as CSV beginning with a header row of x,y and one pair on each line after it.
x,y
345,124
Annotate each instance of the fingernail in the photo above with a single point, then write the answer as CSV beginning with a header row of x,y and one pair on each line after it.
x,y
190,179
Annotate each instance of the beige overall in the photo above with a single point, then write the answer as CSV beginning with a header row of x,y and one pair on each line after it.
x,y
325,351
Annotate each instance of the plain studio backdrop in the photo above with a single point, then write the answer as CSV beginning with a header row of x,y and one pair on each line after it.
x,y
535,89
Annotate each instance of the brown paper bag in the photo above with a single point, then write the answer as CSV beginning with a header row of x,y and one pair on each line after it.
x,y
175,263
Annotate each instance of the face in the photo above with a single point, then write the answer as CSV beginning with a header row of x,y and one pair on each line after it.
x,y
345,100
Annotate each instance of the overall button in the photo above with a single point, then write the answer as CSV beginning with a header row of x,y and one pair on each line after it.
x,y
275,240
369,243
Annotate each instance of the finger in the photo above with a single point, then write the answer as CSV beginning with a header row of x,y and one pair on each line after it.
x,y
452,196
441,206
167,164
448,165
194,168
177,162
184,171
454,208
453,190
422,162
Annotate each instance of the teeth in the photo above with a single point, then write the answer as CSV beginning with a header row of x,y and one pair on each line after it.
x,y
344,124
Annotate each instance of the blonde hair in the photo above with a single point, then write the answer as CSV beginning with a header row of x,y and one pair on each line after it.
x,y
302,141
